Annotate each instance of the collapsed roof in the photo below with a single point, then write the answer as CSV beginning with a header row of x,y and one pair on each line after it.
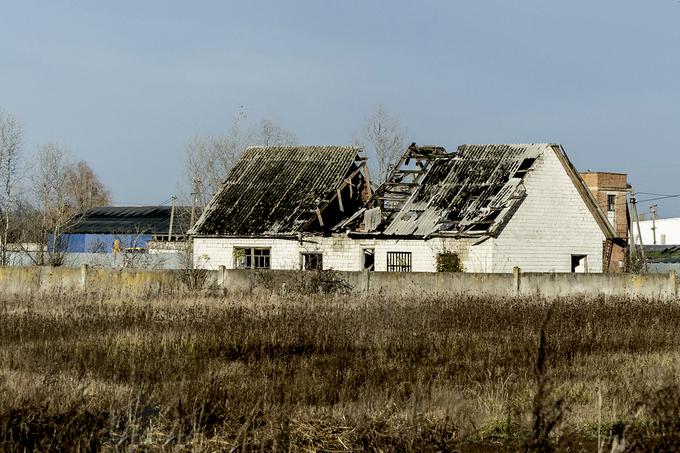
x,y
285,190
472,192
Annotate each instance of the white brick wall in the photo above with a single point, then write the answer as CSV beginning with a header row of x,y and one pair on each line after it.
x,y
551,224
339,252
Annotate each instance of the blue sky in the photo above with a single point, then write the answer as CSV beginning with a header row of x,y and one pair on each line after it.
x,y
126,84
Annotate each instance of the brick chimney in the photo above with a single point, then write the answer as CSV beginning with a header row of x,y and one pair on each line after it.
x,y
610,191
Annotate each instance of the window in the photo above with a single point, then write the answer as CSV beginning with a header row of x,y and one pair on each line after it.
x,y
398,261
251,258
611,203
369,259
312,261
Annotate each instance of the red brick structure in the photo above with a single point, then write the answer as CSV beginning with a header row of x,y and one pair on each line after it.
x,y
610,191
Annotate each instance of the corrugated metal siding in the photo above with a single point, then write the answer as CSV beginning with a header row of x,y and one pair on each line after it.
x,y
469,194
275,189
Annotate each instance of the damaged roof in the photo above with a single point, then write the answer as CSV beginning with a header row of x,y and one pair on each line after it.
x,y
277,189
471,192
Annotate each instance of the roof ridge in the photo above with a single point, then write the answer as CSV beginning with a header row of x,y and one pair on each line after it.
x,y
306,147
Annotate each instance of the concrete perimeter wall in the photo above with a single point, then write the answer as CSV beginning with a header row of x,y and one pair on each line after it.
x,y
31,280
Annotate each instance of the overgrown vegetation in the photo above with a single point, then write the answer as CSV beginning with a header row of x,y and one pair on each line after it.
x,y
449,262
337,372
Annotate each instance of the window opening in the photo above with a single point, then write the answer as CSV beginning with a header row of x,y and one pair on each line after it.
x,y
252,258
579,263
369,259
611,203
312,261
398,261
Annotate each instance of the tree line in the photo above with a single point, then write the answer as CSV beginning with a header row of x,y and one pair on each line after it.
x,y
41,193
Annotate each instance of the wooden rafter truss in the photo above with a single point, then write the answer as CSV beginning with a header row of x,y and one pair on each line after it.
x,y
357,184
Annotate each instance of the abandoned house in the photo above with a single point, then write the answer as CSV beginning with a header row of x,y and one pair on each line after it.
x,y
485,208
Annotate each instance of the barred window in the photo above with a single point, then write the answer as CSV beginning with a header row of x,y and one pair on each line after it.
x,y
398,261
312,261
252,258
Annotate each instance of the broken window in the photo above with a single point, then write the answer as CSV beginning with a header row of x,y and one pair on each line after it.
x,y
398,261
579,264
252,258
312,261
369,259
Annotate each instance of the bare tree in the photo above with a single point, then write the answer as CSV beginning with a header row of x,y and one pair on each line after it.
x,y
49,182
386,139
268,133
84,188
11,140
61,192
208,159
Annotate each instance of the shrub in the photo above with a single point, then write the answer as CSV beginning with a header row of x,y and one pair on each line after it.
x,y
449,262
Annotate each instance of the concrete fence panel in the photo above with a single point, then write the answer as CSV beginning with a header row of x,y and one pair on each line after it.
x,y
29,280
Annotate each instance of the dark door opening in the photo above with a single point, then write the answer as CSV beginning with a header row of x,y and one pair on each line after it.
x,y
369,259
579,263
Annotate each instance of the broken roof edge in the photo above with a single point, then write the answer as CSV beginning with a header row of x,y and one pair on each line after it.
x,y
437,235
583,190
291,236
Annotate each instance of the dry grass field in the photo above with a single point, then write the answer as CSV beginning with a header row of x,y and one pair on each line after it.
x,y
337,373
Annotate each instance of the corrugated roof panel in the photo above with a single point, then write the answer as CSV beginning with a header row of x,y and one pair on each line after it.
x,y
276,189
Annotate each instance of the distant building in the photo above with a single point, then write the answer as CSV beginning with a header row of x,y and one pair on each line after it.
x,y
123,228
660,231
492,206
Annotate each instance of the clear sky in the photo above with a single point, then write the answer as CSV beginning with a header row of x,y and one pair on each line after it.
x,y
126,84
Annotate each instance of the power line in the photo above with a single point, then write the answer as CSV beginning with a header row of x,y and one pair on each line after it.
x,y
653,193
660,197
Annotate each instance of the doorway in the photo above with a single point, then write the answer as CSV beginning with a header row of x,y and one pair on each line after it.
x,y
369,259
579,264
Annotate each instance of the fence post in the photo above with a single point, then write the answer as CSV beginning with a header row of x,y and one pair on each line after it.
x,y
366,281
222,277
83,276
673,283
516,278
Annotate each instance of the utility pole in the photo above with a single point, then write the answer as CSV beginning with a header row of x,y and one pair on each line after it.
x,y
172,216
631,229
653,209
194,195
633,204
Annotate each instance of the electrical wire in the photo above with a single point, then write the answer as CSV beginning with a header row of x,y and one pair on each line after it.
x,y
660,197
